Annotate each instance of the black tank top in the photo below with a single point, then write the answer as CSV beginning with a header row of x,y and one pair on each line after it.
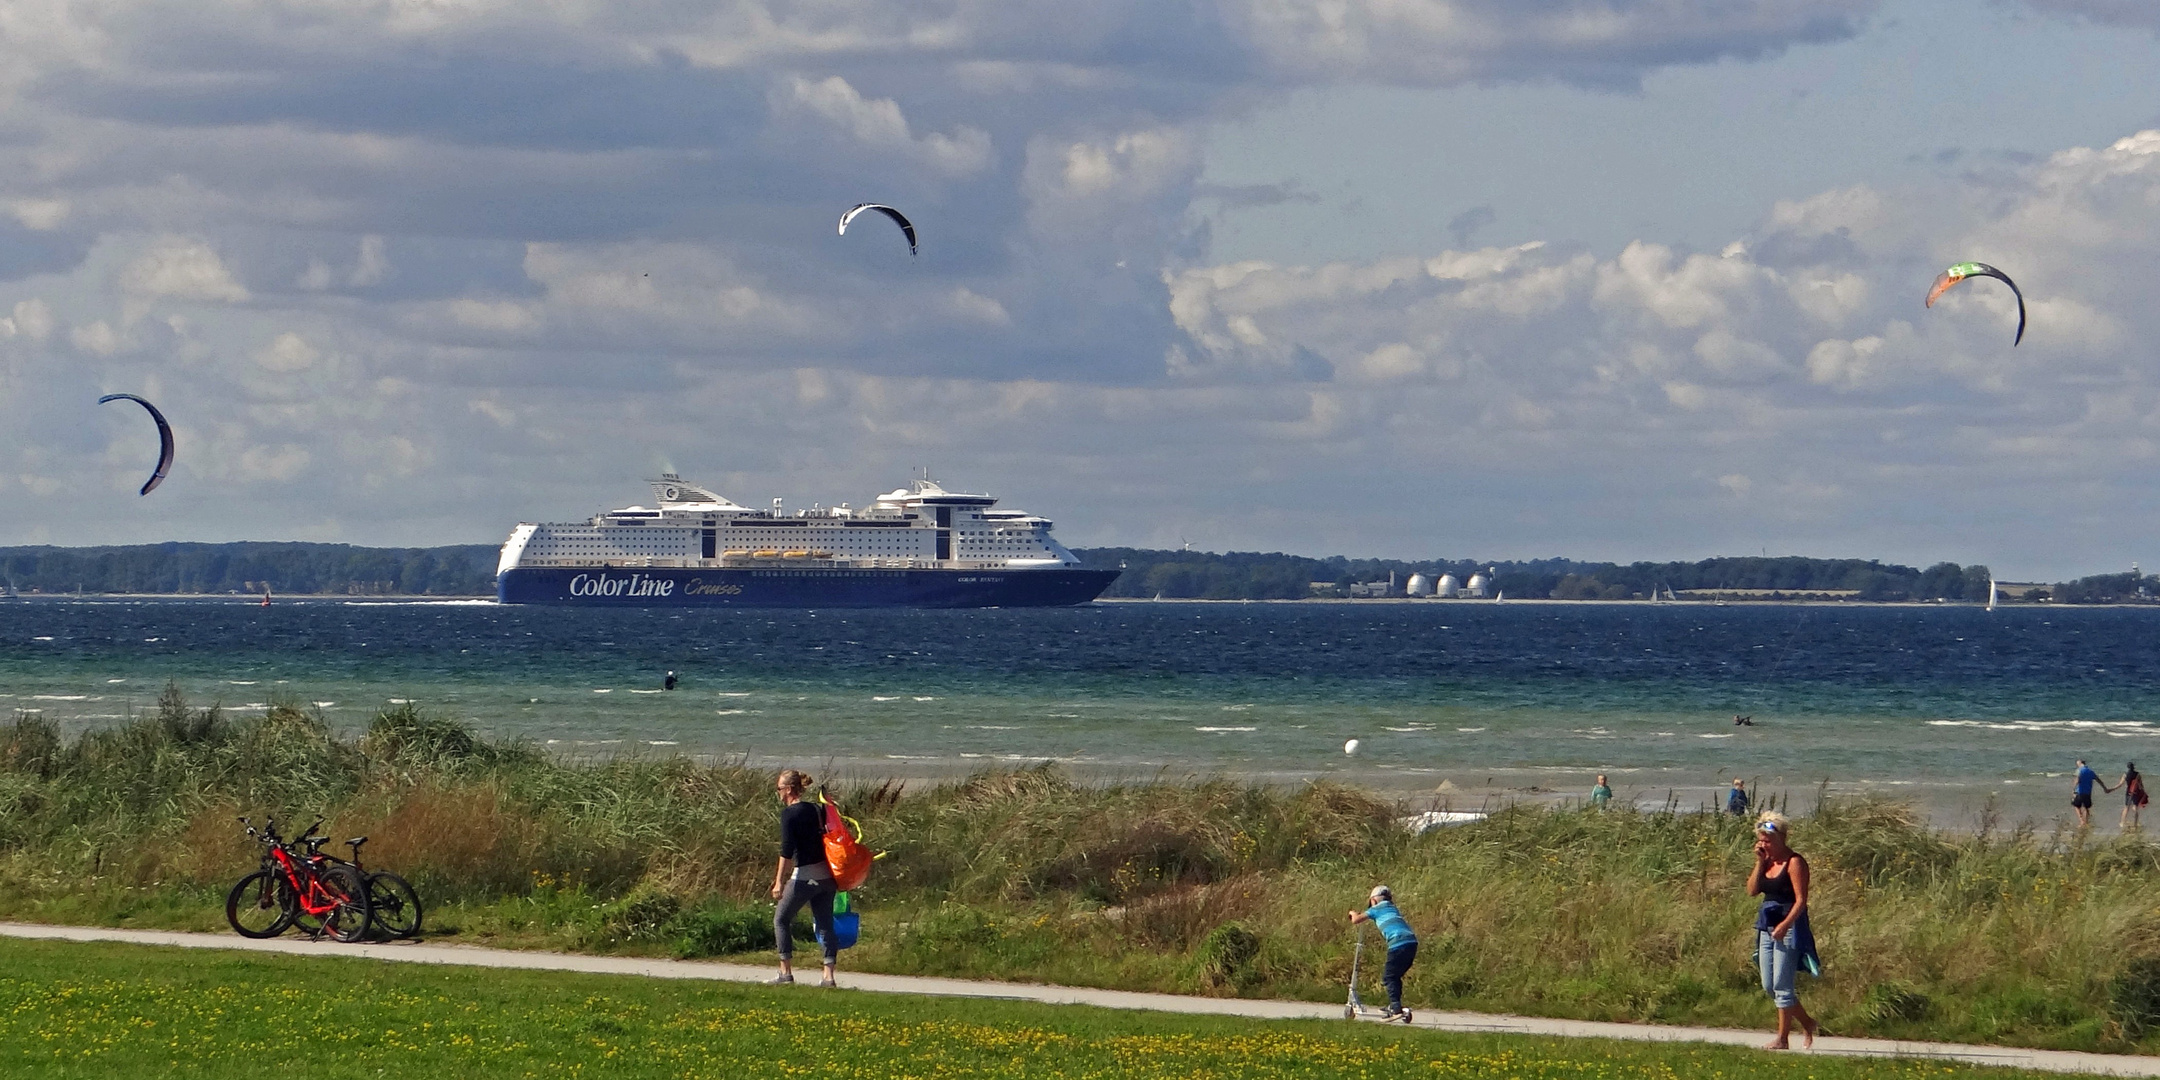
x,y
1777,898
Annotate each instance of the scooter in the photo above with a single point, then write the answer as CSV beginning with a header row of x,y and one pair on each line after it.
x,y
1355,1009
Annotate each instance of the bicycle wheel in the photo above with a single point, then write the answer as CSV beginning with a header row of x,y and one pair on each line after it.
x,y
348,919
393,905
260,905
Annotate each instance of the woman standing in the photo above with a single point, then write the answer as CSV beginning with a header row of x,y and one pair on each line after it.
x,y
802,876
2134,797
1784,943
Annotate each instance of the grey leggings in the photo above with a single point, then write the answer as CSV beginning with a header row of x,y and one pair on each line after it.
x,y
819,895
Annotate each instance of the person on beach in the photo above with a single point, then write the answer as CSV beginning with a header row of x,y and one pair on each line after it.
x,y
1736,800
802,876
1401,945
2081,794
1600,793
1784,942
2134,798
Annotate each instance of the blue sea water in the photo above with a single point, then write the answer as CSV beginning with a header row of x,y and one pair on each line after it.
x,y
1474,701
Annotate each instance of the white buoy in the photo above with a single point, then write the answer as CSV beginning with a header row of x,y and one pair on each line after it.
x,y
1350,747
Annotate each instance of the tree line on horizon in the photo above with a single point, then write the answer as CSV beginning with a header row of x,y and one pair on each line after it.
x,y
469,570
1276,576
252,567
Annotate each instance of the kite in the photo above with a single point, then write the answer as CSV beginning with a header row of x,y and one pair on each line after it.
x,y
1973,269
899,219
165,441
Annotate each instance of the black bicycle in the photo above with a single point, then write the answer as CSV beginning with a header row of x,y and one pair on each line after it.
x,y
393,907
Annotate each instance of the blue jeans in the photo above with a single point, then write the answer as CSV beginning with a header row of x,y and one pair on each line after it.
x,y
1399,960
1779,960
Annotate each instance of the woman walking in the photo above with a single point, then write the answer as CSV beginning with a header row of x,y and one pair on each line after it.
x,y
1784,943
2134,797
802,876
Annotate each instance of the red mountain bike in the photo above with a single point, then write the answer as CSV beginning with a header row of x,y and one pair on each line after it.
x,y
289,889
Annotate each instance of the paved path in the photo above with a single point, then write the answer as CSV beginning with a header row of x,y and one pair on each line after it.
x,y
471,956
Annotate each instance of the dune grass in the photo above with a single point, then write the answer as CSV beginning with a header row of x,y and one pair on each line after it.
x,y
1213,887
100,1010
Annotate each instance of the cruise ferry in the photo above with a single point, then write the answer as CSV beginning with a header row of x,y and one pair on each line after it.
x,y
919,546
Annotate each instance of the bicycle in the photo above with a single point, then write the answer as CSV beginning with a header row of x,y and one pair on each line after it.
x,y
392,904
308,891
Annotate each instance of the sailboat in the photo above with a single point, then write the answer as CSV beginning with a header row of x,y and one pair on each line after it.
x,y
1991,592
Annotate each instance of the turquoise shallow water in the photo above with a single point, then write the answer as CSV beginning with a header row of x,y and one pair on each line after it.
x,y
1480,700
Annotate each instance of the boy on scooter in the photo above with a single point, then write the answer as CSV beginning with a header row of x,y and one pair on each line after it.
x,y
1401,946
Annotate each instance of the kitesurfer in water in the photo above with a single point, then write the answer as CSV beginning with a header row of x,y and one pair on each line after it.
x,y
669,682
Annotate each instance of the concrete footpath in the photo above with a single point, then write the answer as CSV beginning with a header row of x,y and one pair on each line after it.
x,y
472,956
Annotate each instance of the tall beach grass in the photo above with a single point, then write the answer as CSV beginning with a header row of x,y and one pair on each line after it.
x,y
2046,938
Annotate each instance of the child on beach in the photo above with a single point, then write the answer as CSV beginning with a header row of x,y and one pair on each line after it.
x,y
1401,946
1601,793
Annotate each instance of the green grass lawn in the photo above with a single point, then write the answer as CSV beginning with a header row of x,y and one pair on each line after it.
x,y
97,1010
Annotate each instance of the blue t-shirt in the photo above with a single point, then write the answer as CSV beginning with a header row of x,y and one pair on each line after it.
x,y
1393,926
2085,778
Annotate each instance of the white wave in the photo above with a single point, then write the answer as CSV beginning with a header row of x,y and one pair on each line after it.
x,y
109,682
59,697
49,639
145,639
1408,730
992,727
662,742
1726,735
1469,730
400,701
876,698
1237,708
1221,730
731,712
926,699
648,691
323,704
239,682
2134,726
609,690
732,693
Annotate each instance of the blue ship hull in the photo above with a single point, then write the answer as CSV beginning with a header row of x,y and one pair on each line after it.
x,y
808,587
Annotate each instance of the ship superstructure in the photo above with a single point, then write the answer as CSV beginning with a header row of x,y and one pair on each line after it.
x,y
918,545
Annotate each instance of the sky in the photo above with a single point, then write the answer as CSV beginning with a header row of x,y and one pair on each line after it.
x,y
1604,279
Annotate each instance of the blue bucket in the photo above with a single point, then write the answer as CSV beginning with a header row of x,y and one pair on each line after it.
x,y
846,927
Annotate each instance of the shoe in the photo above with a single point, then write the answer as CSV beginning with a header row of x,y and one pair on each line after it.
x,y
781,980
1390,1013
827,982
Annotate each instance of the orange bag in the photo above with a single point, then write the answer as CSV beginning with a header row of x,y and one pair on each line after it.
x,y
845,852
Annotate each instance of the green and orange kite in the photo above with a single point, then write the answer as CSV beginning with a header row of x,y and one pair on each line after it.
x,y
1965,270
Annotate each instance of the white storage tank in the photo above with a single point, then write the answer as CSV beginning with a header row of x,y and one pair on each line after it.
x,y
1448,586
1420,585
1476,587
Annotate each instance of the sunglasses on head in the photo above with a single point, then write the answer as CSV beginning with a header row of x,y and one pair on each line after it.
x,y
1768,827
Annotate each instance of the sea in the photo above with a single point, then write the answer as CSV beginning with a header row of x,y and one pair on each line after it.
x,y
1461,705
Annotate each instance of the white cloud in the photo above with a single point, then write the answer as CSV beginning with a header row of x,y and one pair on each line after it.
x,y
177,268
288,352
879,124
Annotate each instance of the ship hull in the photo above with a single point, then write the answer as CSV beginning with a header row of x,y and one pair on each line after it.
x,y
808,587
